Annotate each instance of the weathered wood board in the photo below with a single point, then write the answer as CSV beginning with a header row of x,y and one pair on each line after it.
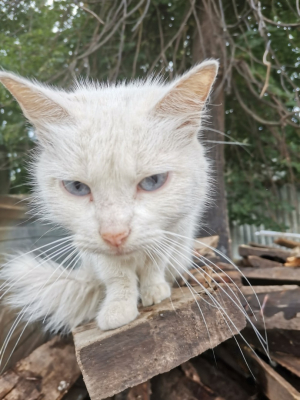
x,y
277,253
279,274
281,306
288,361
259,262
47,373
161,338
274,385
23,340
291,244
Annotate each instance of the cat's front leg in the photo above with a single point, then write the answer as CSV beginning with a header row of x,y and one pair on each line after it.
x,y
153,286
120,304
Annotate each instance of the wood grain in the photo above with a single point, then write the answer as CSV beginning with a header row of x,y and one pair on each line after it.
x,y
272,252
288,361
259,262
281,306
47,373
274,385
291,244
279,274
161,338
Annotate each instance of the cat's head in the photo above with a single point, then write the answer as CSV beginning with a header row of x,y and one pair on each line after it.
x,y
117,165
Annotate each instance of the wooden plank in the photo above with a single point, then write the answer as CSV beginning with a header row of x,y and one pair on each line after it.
x,y
225,383
280,274
259,262
281,306
198,276
273,385
254,244
140,392
47,373
285,341
270,288
273,252
21,344
174,385
288,361
291,244
293,262
78,391
201,245
161,338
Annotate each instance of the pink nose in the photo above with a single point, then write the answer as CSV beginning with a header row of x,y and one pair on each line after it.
x,y
115,239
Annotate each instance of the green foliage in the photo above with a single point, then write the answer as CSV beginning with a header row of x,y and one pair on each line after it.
x,y
53,41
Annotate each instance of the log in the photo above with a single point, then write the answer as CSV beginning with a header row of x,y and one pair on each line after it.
x,y
47,373
161,338
273,385
281,306
259,262
280,275
269,252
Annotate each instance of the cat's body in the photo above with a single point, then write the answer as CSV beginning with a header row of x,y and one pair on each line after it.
x,y
122,169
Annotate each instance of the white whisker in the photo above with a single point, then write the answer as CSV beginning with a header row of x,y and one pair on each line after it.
x,y
238,305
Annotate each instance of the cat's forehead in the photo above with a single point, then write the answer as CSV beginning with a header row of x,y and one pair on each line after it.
x,y
134,99
112,135
118,119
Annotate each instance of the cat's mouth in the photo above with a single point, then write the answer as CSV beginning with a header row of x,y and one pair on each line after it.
x,y
115,251
121,252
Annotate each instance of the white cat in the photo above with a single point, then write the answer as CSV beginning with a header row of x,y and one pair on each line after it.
x,y
121,167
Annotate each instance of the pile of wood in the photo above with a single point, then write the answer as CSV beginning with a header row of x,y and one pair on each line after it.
x,y
167,354
277,264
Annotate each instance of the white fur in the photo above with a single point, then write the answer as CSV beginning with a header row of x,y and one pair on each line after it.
x,y
44,292
110,138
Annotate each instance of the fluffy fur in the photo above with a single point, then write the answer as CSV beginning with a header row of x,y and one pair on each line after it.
x,y
111,138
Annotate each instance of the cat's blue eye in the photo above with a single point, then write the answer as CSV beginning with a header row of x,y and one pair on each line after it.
x,y
153,182
76,188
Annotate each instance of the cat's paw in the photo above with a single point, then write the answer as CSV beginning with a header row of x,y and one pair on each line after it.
x,y
116,314
154,294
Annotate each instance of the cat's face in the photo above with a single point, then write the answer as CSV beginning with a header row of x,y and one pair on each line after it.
x,y
119,165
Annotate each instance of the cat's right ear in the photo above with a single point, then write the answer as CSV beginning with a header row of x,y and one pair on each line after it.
x,y
40,105
186,98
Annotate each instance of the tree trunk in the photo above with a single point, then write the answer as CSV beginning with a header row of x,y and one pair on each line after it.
x,y
4,170
209,43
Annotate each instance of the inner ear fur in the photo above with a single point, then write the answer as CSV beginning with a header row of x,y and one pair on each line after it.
x,y
190,92
38,103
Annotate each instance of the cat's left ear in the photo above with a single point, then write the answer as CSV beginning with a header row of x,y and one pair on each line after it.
x,y
40,104
188,95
